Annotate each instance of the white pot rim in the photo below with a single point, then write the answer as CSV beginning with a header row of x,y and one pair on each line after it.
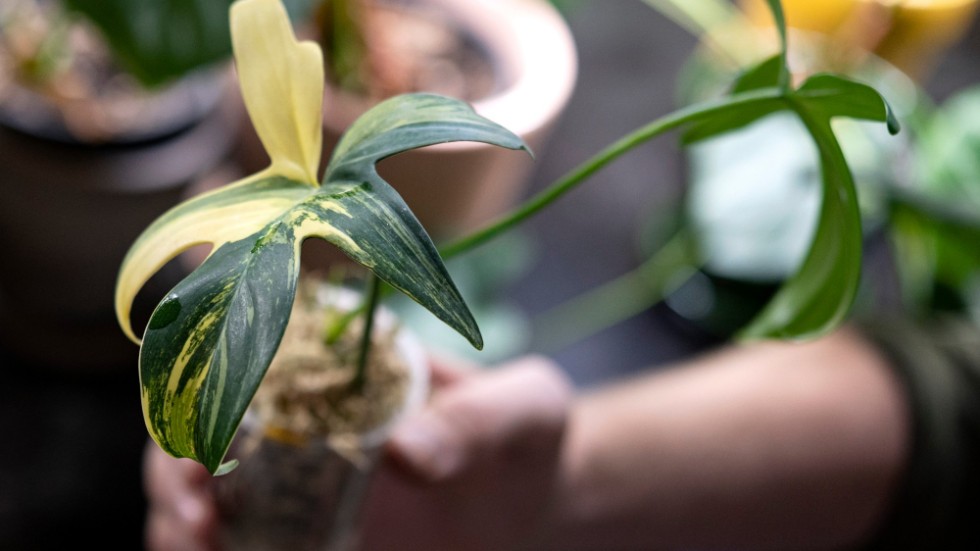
x,y
531,47
536,52
406,344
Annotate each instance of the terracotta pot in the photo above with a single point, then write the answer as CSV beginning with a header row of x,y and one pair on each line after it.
x,y
300,491
456,187
69,213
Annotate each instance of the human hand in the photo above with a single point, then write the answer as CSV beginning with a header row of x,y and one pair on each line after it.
x,y
476,468
181,514
472,471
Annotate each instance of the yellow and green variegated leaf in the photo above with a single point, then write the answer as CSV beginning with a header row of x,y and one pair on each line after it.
x,y
282,85
410,121
224,215
399,124
210,341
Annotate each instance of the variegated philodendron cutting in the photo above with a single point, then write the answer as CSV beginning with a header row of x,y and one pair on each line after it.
x,y
209,342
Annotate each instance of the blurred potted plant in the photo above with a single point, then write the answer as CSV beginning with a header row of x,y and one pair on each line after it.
x,y
744,246
744,252
754,199
97,138
102,128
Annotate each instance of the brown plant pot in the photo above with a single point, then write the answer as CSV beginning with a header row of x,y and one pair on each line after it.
x,y
69,213
459,186
300,485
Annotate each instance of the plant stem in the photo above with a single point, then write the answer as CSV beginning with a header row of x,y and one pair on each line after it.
x,y
615,150
369,306
342,25
581,173
616,300
717,23
339,325
779,20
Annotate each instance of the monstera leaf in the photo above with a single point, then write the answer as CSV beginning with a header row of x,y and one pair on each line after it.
x,y
210,341
820,294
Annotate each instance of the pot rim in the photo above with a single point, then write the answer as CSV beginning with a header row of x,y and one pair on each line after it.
x,y
532,40
406,343
409,347
168,111
530,46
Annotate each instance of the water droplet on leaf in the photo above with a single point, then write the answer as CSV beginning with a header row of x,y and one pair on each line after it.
x,y
165,313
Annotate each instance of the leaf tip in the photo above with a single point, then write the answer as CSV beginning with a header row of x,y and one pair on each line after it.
x,y
527,149
477,341
122,318
225,468
894,127
127,329
469,330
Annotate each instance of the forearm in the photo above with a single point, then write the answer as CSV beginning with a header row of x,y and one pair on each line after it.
x,y
774,446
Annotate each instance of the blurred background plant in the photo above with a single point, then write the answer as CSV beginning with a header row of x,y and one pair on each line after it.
x,y
748,213
105,67
47,39
105,122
